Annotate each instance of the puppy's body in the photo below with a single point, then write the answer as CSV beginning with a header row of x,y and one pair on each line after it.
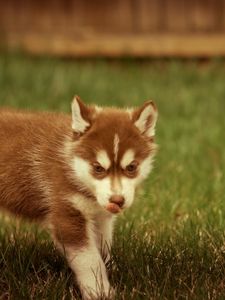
x,y
29,153
76,179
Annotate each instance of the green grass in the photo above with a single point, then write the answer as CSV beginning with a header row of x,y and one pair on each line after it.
x,y
171,243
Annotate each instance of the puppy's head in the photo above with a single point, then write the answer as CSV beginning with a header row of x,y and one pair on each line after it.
x,y
112,150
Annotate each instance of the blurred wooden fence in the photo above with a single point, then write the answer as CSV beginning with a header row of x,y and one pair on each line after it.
x,y
114,28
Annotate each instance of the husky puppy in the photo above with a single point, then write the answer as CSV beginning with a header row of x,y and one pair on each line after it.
x,y
76,174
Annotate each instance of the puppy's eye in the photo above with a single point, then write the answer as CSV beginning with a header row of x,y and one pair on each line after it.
x,y
132,167
98,169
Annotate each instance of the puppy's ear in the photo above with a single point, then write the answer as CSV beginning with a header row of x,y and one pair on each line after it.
x,y
145,118
81,116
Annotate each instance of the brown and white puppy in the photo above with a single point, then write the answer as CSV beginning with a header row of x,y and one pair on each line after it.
x,y
76,175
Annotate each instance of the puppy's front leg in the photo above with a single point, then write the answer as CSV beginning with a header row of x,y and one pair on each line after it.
x,y
75,237
90,271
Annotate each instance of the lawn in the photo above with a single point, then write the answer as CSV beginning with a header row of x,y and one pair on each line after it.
x,y
171,243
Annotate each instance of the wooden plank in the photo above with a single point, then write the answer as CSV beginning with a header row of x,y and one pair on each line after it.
x,y
103,16
204,15
223,14
8,19
154,45
177,15
149,15
118,16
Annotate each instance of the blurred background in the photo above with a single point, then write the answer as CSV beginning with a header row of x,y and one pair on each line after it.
x,y
140,28
122,53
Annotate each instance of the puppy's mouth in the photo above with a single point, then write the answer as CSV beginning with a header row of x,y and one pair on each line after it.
x,y
113,208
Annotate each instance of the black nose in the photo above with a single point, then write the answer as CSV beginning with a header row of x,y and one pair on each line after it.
x,y
117,199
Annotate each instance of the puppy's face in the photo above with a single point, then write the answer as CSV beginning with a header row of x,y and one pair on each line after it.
x,y
113,151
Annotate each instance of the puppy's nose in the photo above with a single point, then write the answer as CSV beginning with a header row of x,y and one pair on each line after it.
x,y
117,199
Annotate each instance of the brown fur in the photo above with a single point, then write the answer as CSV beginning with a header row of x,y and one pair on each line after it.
x,y
100,137
34,177
69,225
43,178
36,150
34,168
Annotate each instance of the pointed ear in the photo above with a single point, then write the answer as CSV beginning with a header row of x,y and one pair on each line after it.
x,y
80,116
145,118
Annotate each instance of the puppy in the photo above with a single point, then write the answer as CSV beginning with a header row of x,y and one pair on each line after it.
x,y
76,174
